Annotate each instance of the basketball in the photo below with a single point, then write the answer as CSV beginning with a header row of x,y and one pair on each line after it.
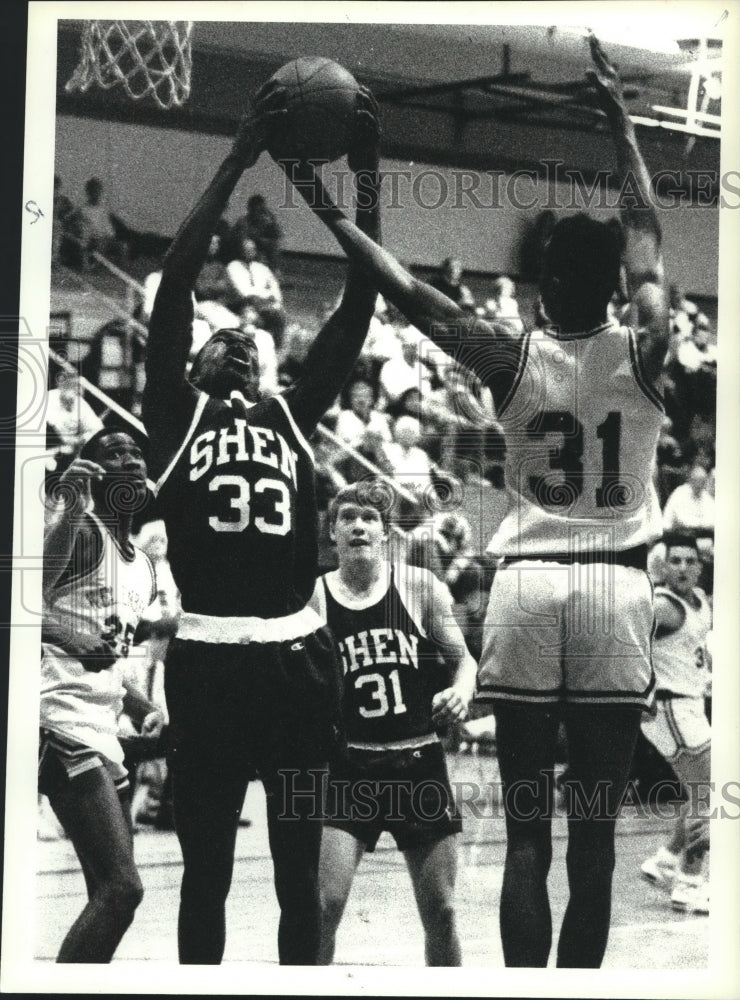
x,y
321,100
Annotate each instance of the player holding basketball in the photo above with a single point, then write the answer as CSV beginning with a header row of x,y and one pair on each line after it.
x,y
392,622
96,587
680,729
251,678
570,615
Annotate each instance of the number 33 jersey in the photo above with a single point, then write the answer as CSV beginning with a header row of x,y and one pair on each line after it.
x,y
581,423
238,500
103,593
390,670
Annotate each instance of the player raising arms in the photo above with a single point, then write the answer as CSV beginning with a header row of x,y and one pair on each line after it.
x,y
392,622
96,587
570,614
680,729
251,678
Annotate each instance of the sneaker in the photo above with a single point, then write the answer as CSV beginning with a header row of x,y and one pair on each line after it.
x,y
690,895
661,868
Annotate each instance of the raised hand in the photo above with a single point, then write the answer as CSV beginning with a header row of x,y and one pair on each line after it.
x,y
73,486
605,78
363,152
260,124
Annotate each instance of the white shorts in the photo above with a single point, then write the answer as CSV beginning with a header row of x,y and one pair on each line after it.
x,y
680,726
579,633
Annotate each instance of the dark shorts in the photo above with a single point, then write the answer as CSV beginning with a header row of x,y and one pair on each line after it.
x,y
256,706
406,792
62,759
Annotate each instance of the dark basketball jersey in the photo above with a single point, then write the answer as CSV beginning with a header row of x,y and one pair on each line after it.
x,y
390,671
238,500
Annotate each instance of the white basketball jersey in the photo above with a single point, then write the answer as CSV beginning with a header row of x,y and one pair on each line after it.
x,y
103,593
680,658
581,423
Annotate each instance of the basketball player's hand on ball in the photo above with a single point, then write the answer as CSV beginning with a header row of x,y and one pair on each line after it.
x,y
260,124
363,153
449,706
73,487
605,78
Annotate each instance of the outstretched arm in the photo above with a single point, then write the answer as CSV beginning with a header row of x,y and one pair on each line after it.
x,y
65,518
337,346
642,257
490,350
169,398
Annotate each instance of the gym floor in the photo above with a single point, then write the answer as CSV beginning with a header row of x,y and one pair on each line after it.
x,y
381,926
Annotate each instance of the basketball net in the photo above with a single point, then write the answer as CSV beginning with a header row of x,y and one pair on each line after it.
x,y
146,58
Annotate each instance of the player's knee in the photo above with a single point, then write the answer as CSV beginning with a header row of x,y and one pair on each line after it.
x,y
298,893
124,894
590,868
532,848
207,880
332,908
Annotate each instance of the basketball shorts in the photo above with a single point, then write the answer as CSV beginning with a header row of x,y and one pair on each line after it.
x,y
405,792
579,633
62,759
679,727
253,707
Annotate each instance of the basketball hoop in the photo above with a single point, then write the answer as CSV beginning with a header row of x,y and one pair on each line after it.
x,y
147,58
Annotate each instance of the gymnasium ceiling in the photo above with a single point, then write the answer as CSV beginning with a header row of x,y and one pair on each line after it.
x,y
478,96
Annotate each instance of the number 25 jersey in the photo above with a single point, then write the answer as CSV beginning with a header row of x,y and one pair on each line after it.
x,y
102,592
581,423
238,500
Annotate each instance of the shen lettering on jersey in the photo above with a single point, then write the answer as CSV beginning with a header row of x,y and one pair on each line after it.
x,y
391,670
242,443
239,502
378,645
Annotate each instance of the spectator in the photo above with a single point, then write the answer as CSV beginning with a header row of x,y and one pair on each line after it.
x,y
361,416
70,417
212,283
252,282
63,248
414,470
97,227
690,508
400,374
697,350
261,226
682,313
449,282
503,304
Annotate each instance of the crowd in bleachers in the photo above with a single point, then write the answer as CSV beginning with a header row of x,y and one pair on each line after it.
x,y
407,412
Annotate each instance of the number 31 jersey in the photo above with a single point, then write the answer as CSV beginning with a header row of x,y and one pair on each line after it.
x,y
238,500
390,671
581,423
